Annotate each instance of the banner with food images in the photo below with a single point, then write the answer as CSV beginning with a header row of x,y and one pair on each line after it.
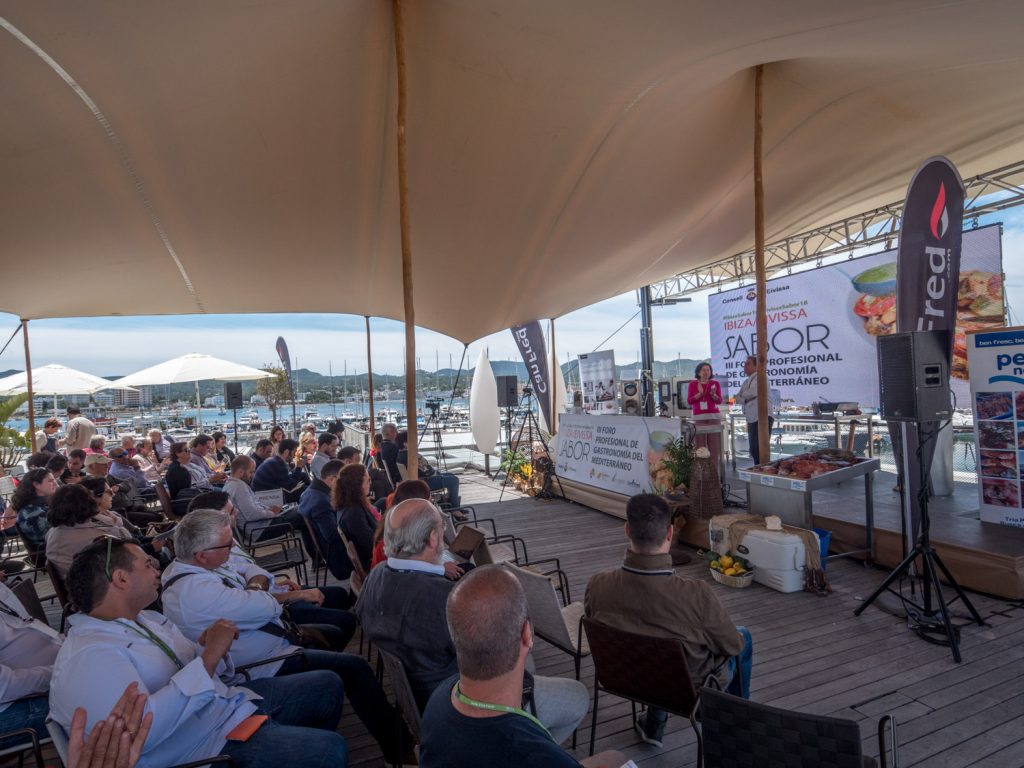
x,y
822,323
996,360
597,380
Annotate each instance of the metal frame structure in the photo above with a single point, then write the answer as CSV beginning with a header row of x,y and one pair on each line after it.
x,y
986,193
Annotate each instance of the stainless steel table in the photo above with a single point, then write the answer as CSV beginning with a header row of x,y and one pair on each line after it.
x,y
792,499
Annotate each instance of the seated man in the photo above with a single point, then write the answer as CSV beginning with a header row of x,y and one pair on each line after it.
x,y
277,472
28,649
477,717
646,596
326,450
161,445
436,480
201,459
402,610
127,501
74,470
253,513
124,468
261,451
389,451
315,505
201,584
307,605
114,642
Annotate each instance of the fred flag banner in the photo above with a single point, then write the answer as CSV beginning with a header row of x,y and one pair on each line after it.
x,y
530,340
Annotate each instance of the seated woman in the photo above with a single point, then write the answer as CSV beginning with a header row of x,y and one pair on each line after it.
x,y
183,479
357,518
76,521
29,501
148,463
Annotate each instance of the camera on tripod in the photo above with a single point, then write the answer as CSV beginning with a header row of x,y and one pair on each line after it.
x,y
527,390
433,406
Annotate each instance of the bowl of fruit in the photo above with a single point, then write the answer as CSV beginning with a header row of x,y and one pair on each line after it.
x,y
730,570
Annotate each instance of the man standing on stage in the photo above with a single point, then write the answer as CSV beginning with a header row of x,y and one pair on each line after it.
x,y
747,397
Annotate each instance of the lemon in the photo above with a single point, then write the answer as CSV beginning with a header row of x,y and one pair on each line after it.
x,y
740,570
726,561
715,564
730,571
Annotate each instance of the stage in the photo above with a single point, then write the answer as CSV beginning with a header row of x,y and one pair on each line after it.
x,y
983,557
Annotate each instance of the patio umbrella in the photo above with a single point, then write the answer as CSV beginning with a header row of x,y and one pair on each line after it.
x,y
195,368
56,380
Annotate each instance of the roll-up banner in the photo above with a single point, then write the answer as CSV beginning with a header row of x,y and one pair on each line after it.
x,y
597,380
927,280
530,340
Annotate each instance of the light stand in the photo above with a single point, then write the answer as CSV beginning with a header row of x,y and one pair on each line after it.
x,y
530,427
433,426
933,621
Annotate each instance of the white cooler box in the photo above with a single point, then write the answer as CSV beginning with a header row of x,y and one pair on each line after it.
x,y
778,558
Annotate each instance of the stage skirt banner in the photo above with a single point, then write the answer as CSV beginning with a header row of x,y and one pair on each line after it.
x,y
530,340
617,453
597,380
997,392
822,323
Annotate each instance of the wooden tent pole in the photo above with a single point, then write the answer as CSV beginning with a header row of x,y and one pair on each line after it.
x,y
553,426
369,378
28,386
763,434
403,202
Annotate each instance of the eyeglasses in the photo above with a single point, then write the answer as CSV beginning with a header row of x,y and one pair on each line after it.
x,y
219,546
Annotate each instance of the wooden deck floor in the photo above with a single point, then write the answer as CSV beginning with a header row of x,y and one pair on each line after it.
x,y
810,653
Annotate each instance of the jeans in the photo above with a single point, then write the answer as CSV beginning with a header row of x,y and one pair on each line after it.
x,y
304,712
363,691
738,685
446,481
562,704
331,614
29,712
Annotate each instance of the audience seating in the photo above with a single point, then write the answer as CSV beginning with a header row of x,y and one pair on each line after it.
x,y
404,700
649,670
286,551
25,591
62,594
164,497
33,742
318,557
741,732
560,625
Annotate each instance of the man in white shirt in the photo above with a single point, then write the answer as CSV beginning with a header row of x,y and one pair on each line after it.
x,y
28,649
747,397
79,430
326,449
161,445
201,585
114,642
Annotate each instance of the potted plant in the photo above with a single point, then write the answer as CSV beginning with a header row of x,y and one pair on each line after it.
x,y
13,444
676,464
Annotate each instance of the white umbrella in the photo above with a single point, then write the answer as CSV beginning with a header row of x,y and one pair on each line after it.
x,y
56,380
194,368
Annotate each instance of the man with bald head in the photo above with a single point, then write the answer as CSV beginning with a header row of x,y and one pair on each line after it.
x,y
479,717
402,609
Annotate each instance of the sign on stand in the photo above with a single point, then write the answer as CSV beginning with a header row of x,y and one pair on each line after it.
x,y
996,360
617,453
597,379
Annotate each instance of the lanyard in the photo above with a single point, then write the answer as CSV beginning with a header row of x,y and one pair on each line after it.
x,y
143,631
4,608
499,708
230,580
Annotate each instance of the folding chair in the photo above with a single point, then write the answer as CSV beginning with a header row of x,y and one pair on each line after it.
x,y
317,556
62,594
560,625
25,591
405,700
164,497
287,550
737,731
649,670
34,743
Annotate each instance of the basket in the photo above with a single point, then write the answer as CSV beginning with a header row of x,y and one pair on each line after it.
x,y
739,582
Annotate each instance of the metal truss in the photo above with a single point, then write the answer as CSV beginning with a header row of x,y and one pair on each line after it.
x,y
986,193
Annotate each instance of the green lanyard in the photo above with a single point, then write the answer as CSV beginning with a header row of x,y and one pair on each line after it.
x,y
500,708
230,579
143,631
242,552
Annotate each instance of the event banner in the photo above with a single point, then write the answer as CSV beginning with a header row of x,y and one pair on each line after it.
x,y
530,340
597,380
822,323
616,453
997,387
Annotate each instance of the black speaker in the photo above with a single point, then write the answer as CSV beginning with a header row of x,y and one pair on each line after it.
x,y
508,391
913,376
233,394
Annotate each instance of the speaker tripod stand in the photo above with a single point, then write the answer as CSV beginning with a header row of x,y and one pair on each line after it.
x,y
529,427
432,427
933,620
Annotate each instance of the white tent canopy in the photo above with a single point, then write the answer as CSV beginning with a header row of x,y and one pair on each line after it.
x,y
193,367
56,379
240,157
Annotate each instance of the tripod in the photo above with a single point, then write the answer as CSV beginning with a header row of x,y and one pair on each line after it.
x,y
432,426
931,620
530,427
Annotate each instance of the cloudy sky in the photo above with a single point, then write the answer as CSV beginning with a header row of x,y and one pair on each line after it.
x,y
121,345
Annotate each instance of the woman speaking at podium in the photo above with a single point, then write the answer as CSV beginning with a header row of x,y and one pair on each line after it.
x,y
704,394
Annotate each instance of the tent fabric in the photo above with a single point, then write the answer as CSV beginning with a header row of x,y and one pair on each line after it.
x,y
233,157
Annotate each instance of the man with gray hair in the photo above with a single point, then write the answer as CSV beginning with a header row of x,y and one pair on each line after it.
x,y
402,610
482,716
201,583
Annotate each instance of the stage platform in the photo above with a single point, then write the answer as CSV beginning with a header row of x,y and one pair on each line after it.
x,y
983,557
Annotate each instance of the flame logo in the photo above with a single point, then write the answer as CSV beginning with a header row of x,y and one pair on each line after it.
x,y
940,216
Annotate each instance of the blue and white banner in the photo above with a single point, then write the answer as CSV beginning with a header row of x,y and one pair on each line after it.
x,y
996,360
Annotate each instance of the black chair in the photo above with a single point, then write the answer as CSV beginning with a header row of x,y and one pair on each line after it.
x,y
738,732
33,742
649,670
25,591
62,594
405,700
